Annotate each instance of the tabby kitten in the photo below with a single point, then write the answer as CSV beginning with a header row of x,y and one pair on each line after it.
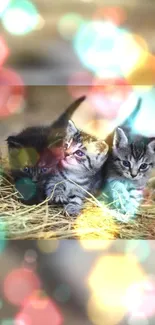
x,y
79,171
34,154
127,171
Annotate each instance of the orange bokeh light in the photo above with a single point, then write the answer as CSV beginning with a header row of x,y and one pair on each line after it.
x,y
116,15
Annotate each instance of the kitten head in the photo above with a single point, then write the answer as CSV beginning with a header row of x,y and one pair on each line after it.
x,y
132,160
31,155
83,153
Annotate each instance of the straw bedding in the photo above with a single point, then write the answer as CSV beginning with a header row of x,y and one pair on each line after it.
x,y
18,221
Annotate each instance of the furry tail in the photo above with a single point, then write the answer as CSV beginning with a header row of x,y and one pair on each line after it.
x,y
128,123
62,121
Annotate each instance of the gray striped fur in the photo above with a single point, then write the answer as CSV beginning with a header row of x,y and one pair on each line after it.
x,y
77,175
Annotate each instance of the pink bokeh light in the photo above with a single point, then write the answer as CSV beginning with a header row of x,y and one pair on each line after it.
x,y
107,96
19,284
140,299
12,92
39,310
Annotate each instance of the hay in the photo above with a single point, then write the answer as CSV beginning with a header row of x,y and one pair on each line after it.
x,y
18,221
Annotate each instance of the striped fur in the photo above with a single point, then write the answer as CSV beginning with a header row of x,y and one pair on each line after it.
x,y
127,170
79,172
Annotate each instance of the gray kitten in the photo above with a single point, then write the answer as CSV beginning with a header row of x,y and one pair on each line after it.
x,y
79,171
128,167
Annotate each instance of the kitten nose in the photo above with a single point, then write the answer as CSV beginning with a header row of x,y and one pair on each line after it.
x,y
133,175
34,179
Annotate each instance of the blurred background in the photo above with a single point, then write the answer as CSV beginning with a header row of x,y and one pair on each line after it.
x,y
52,52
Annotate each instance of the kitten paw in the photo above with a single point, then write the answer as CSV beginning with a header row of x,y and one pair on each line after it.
x,y
57,196
72,209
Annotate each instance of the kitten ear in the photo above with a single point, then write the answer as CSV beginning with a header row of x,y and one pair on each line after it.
x,y
71,129
151,146
13,142
120,139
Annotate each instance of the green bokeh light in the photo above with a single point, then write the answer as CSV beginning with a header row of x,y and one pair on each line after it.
x,y
69,24
20,18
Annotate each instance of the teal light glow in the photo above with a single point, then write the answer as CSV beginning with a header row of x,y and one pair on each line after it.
x,y
139,248
95,43
20,18
3,6
26,188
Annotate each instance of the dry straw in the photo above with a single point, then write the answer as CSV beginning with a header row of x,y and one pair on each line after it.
x,y
42,221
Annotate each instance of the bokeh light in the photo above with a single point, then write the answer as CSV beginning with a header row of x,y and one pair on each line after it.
x,y
109,280
102,45
79,84
69,24
108,95
94,44
3,5
40,310
11,93
134,321
20,18
95,244
22,157
48,246
9,321
19,284
62,293
130,46
144,124
143,76
26,187
140,299
116,15
4,51
139,248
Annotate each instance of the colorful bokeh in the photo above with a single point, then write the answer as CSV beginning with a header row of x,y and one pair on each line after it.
x,y
39,310
20,18
12,98
109,281
69,24
19,284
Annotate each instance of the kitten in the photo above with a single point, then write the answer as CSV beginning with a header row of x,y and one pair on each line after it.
x,y
34,154
128,168
79,171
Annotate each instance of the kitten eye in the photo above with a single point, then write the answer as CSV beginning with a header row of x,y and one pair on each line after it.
x,y
126,163
79,153
44,170
26,169
143,166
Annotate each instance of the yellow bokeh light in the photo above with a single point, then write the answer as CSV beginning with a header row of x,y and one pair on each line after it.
x,y
109,281
48,246
143,76
99,315
28,157
135,52
95,244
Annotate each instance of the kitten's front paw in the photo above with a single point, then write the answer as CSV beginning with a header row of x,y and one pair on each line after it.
x,y
72,209
57,196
